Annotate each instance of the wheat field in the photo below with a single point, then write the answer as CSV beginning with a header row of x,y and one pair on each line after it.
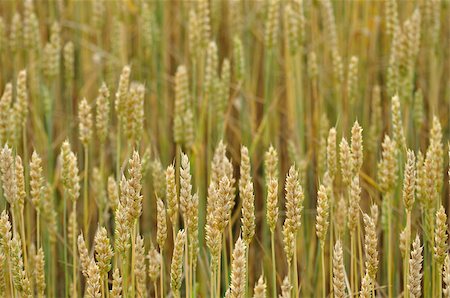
x,y
224,148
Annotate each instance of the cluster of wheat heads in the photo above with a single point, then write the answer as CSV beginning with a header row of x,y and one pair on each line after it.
x,y
184,149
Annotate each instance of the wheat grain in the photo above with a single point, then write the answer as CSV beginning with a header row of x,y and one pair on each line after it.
x,y
213,241
393,82
5,231
30,26
375,120
371,247
272,24
238,270
36,179
211,67
397,124
291,22
222,166
391,16
140,270
286,288
374,213
193,228
312,64
176,270
55,36
52,52
271,164
346,162
116,291
294,199
39,273
418,109
213,233
387,166
20,182
204,23
122,230
410,44
158,177
221,103
9,177
171,195
185,185
260,290
272,203
122,92
330,27
113,193
154,263
103,250
356,148
102,113
133,188
430,183
415,265
21,103
341,216
446,277
352,81
93,281
161,232
69,67
223,203
288,240
69,173
353,209
21,282
2,273
440,236
5,115
338,271
85,122
194,34
409,181
134,113
84,256
331,153
322,214
15,35
366,286
247,197
49,212
436,152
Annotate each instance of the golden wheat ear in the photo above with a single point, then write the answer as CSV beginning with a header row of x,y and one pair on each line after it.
x,y
415,272
260,290
176,270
